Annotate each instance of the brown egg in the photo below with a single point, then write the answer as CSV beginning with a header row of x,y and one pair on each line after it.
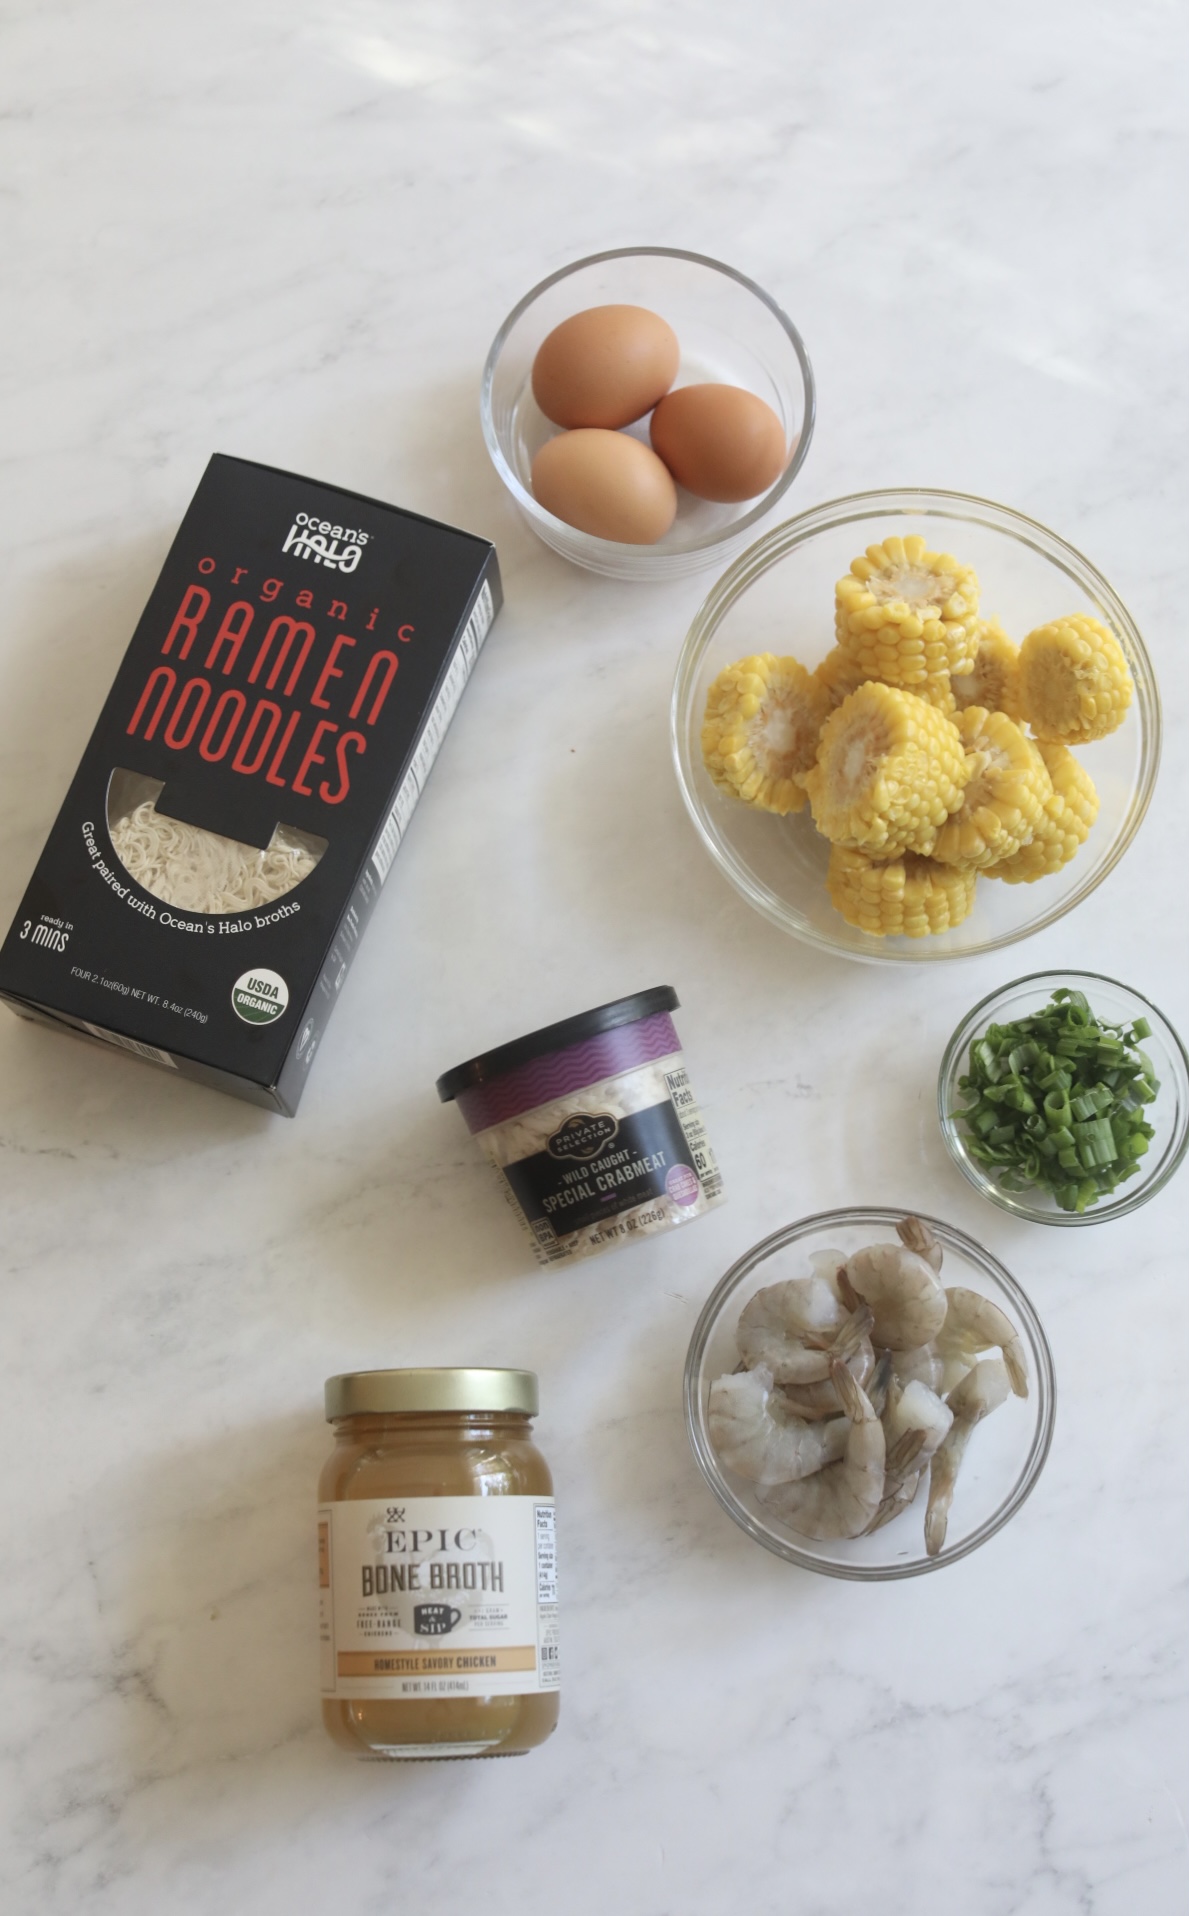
x,y
605,367
607,484
719,442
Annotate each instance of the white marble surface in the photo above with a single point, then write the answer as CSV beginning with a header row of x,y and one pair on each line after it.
x,y
288,231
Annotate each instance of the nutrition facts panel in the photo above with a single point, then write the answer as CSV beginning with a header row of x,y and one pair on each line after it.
x,y
692,1123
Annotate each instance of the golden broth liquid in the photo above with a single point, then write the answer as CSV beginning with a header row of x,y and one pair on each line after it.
x,y
437,1454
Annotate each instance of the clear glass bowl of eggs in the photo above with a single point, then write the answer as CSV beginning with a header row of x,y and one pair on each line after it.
x,y
914,725
869,1394
645,408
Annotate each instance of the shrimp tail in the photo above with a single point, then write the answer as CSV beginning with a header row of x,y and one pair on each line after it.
x,y
897,1500
915,1235
904,1453
879,1383
1017,1368
943,1475
846,1341
851,1396
846,1290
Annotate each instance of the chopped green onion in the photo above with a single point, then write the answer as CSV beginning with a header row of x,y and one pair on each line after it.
x,y
1056,1100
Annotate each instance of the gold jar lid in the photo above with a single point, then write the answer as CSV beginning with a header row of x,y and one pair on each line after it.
x,y
381,1393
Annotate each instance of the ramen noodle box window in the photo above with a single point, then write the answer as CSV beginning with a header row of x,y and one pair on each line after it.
x,y
242,799
196,870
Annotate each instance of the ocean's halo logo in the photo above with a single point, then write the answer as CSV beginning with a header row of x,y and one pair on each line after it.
x,y
339,547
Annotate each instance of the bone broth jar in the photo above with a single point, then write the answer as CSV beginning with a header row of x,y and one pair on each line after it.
x,y
592,1127
437,1566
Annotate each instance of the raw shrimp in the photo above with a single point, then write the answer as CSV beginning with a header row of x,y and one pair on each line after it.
x,y
754,1441
812,1401
853,1347
916,1407
879,1383
925,1366
902,1478
840,1500
904,1292
915,1235
973,1324
791,1328
980,1392
920,1366
915,1422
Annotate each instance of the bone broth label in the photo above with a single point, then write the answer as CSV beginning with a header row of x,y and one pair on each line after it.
x,y
435,1597
238,808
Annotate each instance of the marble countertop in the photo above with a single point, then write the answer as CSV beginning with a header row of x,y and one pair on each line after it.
x,y
289,231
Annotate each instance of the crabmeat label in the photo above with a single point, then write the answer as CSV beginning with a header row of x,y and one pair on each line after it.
x,y
438,1597
572,1184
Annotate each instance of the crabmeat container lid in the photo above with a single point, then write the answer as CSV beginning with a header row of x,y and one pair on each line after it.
x,y
588,1024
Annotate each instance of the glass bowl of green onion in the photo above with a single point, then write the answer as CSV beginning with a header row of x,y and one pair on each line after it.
x,y
1064,1098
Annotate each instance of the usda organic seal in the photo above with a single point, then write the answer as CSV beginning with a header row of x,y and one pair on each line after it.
x,y
259,997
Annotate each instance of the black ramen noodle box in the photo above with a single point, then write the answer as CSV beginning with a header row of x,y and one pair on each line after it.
x,y
243,796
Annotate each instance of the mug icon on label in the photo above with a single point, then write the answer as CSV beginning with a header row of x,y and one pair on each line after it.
x,y
435,1619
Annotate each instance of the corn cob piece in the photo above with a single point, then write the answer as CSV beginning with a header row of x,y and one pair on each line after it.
x,y
909,650
890,769
1064,824
993,679
1004,796
839,674
760,733
1074,682
908,897
938,691
907,614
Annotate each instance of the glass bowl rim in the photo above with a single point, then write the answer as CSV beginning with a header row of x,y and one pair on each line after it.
x,y
1044,1384
766,501
922,502
1135,1192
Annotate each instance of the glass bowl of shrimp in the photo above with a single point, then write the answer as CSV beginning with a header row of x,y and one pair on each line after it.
x,y
840,1386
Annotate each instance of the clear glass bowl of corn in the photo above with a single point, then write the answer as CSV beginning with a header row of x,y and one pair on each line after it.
x,y
1006,1454
1166,1115
778,602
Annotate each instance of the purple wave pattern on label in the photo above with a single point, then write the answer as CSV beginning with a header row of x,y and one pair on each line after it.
x,y
560,1072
